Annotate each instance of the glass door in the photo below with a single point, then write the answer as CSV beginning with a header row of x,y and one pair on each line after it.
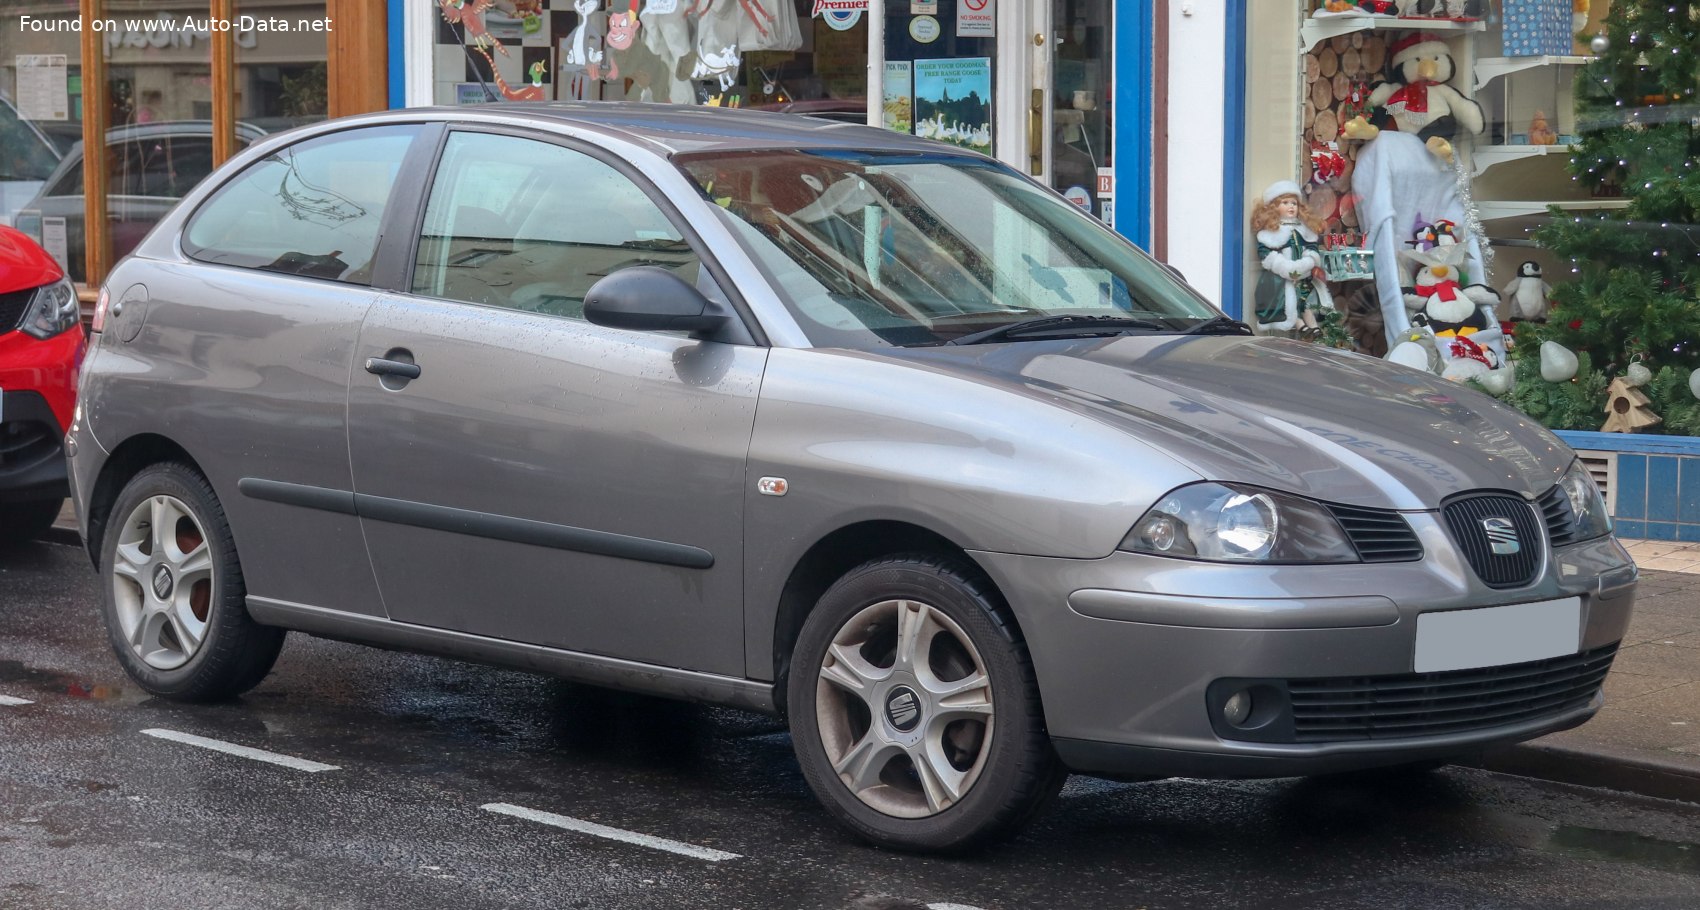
x,y
1078,132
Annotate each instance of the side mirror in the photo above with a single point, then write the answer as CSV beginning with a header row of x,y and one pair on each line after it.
x,y
1175,272
648,298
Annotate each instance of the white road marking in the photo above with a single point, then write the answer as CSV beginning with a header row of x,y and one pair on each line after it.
x,y
951,907
10,702
596,830
287,761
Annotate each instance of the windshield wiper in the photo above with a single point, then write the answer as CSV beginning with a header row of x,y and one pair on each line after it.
x,y
1219,325
1060,327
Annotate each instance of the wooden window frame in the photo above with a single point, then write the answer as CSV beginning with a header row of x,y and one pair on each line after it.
x,y
357,81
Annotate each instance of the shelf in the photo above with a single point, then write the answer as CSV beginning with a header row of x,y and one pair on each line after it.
x,y
1315,31
1491,68
1517,208
1486,156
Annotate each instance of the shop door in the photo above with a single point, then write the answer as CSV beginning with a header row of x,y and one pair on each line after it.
x,y
1055,88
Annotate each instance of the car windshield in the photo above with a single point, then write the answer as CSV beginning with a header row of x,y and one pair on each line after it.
x,y
877,249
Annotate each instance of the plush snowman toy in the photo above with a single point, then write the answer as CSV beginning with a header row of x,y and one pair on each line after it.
x,y
1528,294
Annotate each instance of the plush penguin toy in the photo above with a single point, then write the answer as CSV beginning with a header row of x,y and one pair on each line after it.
x,y
1448,307
1418,99
1528,294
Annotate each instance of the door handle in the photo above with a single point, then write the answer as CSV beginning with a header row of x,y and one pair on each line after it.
x,y
1036,130
381,367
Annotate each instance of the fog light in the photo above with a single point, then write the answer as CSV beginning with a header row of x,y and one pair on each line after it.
x,y
1237,709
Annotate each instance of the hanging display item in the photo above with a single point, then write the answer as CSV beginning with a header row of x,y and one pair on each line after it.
x,y
1291,291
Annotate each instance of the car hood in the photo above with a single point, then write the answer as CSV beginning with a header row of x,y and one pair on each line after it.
x,y
1282,414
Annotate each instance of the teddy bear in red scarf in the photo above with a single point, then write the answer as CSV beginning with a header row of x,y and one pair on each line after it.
x,y
1418,97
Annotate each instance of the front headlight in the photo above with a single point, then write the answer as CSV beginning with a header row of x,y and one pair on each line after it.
x,y
1233,523
52,310
1587,507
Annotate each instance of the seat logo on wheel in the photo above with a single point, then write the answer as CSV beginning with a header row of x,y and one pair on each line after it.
x,y
903,709
161,582
1502,537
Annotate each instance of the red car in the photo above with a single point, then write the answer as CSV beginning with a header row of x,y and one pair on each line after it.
x,y
41,347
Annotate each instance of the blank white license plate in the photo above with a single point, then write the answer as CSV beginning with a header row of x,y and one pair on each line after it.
x,y
1494,636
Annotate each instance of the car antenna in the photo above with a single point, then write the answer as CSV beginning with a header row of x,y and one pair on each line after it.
x,y
489,93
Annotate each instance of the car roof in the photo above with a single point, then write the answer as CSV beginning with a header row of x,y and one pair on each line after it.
x,y
676,128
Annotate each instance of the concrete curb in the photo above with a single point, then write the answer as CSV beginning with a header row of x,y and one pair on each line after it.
x,y
1630,770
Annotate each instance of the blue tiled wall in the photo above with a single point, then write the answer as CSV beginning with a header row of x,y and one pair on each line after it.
x,y
1658,483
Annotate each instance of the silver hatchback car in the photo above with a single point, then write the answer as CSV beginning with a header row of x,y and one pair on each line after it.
x,y
813,419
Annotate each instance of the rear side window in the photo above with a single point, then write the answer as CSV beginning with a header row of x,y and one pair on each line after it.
x,y
314,208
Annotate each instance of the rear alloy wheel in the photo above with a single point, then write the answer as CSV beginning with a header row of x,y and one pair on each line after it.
x,y
914,711
174,592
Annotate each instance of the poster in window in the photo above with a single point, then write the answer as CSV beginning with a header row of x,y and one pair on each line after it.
x,y
898,108
43,87
953,101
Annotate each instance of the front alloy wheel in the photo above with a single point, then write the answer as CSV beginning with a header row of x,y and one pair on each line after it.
x,y
914,710
905,709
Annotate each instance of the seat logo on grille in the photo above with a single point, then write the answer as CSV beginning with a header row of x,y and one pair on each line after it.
x,y
1502,536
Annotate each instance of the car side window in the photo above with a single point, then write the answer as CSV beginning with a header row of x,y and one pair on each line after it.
x,y
529,225
314,208
164,167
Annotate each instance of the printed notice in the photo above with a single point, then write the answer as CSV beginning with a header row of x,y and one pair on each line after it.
x,y
55,240
43,87
898,110
976,18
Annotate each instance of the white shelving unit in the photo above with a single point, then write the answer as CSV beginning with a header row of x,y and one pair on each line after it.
x,y
1491,210
1486,156
1315,31
1491,68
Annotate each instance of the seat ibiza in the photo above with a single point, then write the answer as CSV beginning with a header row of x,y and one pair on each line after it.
x,y
813,419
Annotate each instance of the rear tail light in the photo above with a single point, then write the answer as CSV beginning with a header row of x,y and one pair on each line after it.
x,y
98,325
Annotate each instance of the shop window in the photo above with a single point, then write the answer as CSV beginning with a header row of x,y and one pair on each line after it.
x,y
1500,193
769,54
314,208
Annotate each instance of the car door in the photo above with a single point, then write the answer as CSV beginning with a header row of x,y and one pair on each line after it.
x,y
242,354
542,479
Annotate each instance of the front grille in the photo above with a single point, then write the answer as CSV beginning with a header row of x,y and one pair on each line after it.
x,y
1468,518
1434,704
12,307
1379,536
1560,519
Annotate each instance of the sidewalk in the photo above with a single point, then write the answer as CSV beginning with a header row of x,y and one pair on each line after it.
x,y
1646,739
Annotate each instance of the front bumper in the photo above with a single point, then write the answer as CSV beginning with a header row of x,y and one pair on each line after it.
x,y
32,460
1126,649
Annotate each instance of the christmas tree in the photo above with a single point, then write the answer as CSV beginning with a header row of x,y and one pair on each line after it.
x,y
1636,269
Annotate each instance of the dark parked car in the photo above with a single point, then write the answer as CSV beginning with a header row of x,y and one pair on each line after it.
x,y
149,167
820,420
41,347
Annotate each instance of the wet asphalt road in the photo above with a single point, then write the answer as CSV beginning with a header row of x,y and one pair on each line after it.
x,y
95,814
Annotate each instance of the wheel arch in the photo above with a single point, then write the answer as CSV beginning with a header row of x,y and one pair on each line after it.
x,y
130,458
837,553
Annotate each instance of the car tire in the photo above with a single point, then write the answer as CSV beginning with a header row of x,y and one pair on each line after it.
x,y
25,521
175,603
939,749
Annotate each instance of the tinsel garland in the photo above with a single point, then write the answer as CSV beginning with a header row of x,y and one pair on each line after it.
x,y
1473,226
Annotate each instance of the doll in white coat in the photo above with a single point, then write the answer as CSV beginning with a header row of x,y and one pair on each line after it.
x,y
1291,290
